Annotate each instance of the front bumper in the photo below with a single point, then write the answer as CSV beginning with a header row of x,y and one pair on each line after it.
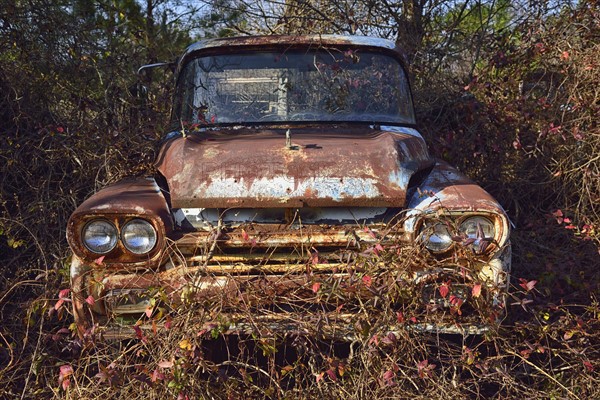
x,y
263,287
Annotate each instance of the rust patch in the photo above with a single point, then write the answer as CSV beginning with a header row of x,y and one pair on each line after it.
x,y
118,203
337,166
447,188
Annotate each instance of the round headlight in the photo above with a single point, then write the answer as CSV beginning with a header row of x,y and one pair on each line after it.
x,y
138,236
437,237
480,229
99,236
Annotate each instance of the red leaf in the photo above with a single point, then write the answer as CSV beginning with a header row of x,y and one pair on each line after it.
x,y
168,323
63,330
476,292
444,290
63,296
332,374
378,248
245,236
314,257
59,304
399,316
527,285
90,300
525,352
157,376
99,260
423,368
388,377
316,286
455,301
139,334
165,364
374,339
588,365
319,377
468,241
65,370
367,280
149,311
367,230
63,376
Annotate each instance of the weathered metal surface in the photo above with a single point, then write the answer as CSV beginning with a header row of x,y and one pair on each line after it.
x,y
189,284
447,188
262,213
253,168
256,236
445,191
118,203
208,218
288,42
239,294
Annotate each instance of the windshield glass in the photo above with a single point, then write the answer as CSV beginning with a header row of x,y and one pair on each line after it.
x,y
320,85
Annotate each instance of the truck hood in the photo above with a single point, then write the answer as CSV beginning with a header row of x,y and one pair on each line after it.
x,y
289,168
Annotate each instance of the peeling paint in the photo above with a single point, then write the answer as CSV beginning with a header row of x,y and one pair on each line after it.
x,y
343,166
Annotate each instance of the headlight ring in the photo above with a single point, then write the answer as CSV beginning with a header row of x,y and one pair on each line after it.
x,y
478,230
99,236
437,237
138,236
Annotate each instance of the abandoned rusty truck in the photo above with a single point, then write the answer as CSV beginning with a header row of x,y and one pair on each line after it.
x,y
295,194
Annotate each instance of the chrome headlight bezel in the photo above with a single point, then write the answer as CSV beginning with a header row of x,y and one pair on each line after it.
x,y
479,230
136,230
102,226
480,233
436,236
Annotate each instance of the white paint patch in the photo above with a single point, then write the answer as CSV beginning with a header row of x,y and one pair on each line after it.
x,y
287,187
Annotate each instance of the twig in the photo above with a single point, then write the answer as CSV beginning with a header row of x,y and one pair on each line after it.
x,y
543,373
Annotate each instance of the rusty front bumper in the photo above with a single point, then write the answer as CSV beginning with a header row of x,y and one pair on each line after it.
x,y
332,283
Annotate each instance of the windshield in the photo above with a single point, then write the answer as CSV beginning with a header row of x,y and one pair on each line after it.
x,y
320,85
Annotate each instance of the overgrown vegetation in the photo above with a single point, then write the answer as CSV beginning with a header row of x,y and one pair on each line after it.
x,y
509,95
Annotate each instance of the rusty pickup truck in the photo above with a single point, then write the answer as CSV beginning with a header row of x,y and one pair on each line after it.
x,y
293,193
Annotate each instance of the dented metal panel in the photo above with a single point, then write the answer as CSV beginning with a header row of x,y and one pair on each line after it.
x,y
253,168
445,187
445,191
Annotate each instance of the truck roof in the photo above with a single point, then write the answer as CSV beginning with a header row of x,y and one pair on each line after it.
x,y
235,43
